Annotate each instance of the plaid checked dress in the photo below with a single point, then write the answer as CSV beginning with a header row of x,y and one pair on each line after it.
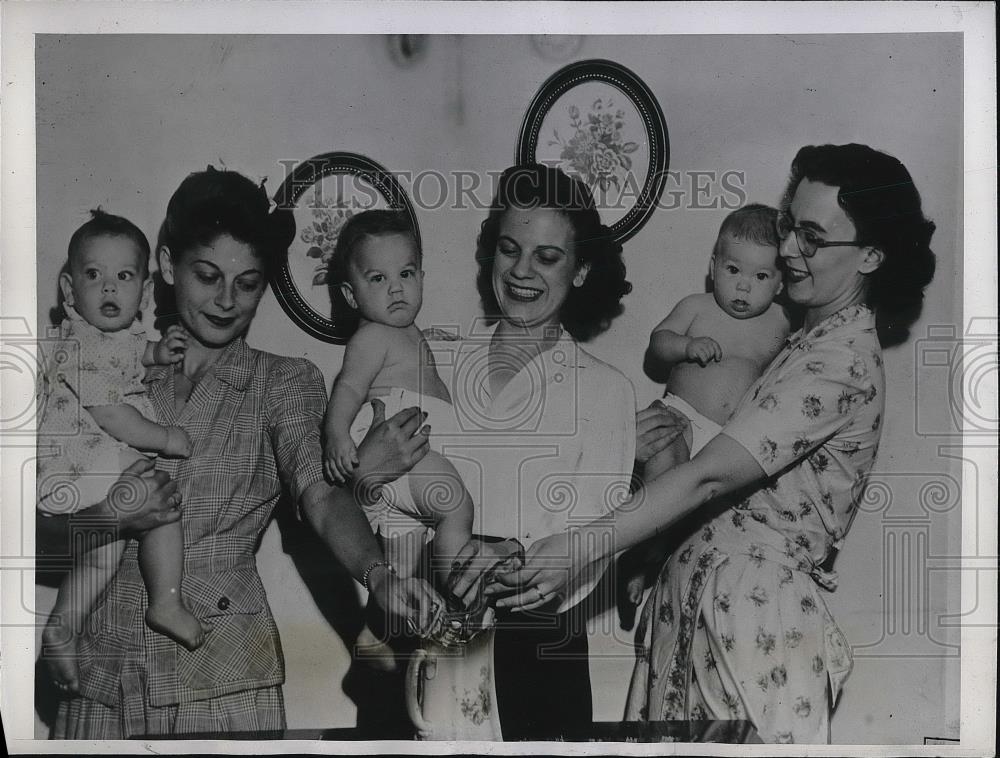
x,y
254,422
736,627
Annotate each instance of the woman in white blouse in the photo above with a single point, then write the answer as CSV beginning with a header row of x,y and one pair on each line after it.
x,y
547,431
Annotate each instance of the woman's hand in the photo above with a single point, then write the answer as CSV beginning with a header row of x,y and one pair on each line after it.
x,y
674,454
390,449
549,565
142,499
411,599
477,563
661,442
657,427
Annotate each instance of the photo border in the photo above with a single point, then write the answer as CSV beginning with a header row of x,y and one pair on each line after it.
x,y
977,237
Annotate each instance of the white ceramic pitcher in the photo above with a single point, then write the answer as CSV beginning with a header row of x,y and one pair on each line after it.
x,y
451,691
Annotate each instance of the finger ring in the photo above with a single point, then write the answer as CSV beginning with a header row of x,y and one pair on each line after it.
x,y
541,595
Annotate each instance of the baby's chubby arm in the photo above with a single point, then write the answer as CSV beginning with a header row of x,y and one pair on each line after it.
x,y
167,351
670,344
126,424
364,358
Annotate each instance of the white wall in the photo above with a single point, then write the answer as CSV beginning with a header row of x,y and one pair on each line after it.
x,y
122,119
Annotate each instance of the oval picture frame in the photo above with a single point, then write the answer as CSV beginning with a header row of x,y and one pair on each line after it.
x,y
599,122
322,193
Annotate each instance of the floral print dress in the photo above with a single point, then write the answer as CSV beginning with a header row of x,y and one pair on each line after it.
x,y
84,367
736,627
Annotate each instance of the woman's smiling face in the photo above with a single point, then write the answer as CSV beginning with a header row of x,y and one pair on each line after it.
x,y
217,287
535,266
834,277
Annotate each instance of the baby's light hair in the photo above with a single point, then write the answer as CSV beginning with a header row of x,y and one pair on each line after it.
x,y
755,223
103,224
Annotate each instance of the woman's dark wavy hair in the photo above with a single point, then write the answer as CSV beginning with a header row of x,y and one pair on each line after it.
x,y
210,203
590,308
877,193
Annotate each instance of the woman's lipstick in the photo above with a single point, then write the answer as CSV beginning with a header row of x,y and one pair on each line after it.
x,y
220,322
524,294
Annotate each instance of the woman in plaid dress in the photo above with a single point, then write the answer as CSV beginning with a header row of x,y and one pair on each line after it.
x,y
736,627
254,420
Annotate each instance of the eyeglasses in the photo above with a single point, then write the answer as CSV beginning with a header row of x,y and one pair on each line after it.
x,y
806,239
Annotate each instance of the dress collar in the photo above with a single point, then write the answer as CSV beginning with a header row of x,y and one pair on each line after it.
x,y
565,353
233,367
845,316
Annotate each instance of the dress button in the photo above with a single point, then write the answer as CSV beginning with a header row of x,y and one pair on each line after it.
x,y
223,603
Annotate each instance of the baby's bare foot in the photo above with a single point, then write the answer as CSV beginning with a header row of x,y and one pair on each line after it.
x,y
635,588
374,652
175,621
178,443
59,651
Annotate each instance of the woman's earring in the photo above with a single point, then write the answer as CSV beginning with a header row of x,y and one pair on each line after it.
x,y
874,257
166,262
66,285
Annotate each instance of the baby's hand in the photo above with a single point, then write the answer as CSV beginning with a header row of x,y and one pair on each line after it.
x,y
171,348
701,350
178,443
340,460
437,333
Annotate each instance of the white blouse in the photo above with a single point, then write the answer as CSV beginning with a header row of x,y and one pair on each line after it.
x,y
554,448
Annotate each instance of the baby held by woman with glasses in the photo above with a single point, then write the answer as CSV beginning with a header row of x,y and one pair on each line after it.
x,y
712,347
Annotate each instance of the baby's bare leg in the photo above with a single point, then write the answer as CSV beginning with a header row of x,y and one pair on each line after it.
x,y
404,551
77,595
161,561
439,492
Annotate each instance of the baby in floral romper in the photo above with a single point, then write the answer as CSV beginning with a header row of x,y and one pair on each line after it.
x,y
96,421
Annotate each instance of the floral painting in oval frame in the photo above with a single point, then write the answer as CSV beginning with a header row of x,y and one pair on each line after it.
x,y
599,122
323,193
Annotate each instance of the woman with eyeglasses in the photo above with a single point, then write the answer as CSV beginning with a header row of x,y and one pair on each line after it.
x,y
736,627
